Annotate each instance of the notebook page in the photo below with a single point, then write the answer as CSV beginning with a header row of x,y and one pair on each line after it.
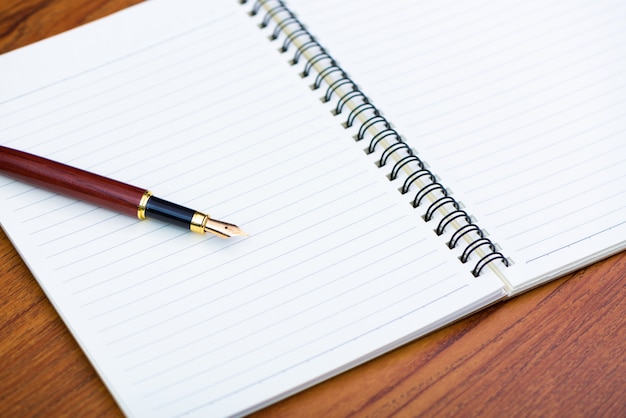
x,y
199,108
518,107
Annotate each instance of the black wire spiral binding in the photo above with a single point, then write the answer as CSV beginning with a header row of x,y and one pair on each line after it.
x,y
347,97
362,106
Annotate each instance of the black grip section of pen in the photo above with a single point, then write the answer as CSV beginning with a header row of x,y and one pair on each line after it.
x,y
169,212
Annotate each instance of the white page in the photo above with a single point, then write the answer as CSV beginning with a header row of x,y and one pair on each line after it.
x,y
195,104
518,106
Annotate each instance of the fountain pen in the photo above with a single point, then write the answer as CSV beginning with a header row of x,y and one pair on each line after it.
x,y
106,192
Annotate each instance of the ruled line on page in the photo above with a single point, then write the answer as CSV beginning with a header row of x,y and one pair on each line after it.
x,y
138,268
232,393
234,82
197,94
279,355
154,127
146,49
319,320
403,36
97,267
492,141
311,210
161,167
191,171
212,108
521,124
212,149
615,201
188,360
243,193
294,297
575,242
286,221
555,169
570,198
260,143
432,25
194,334
69,204
204,288
261,296
517,151
249,254
68,234
215,299
594,166
463,81
145,88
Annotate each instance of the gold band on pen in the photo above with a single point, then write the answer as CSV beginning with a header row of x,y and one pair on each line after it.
x,y
143,202
198,222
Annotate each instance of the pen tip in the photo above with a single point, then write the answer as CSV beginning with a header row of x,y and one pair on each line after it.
x,y
224,229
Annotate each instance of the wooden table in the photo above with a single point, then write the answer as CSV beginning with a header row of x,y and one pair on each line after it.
x,y
558,350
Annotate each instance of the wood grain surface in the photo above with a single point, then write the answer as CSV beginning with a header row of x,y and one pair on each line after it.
x,y
558,350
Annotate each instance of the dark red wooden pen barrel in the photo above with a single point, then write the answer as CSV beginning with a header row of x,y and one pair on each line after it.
x,y
70,181
106,192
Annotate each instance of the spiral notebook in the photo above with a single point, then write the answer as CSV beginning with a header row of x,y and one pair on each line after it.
x,y
397,167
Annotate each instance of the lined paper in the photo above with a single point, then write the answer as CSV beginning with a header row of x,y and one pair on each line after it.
x,y
518,107
200,108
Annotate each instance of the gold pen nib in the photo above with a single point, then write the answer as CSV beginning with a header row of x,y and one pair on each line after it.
x,y
201,223
223,229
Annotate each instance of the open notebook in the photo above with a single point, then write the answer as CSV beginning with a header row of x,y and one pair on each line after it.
x,y
397,168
